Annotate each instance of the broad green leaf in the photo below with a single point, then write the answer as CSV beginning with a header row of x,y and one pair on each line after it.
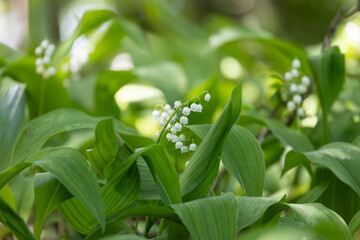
x,y
342,159
7,54
22,187
12,107
354,223
123,187
251,209
108,44
54,93
165,212
314,193
123,237
322,220
105,147
242,157
329,72
294,159
149,190
277,233
90,21
111,228
293,138
202,169
279,52
135,33
107,84
209,218
338,196
49,193
164,173
14,222
36,133
7,195
71,169
119,192
158,75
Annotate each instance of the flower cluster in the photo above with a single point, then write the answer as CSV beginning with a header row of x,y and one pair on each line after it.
x,y
296,85
44,52
171,120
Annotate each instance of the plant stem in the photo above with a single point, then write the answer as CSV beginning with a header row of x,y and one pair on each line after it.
x,y
42,96
339,17
136,225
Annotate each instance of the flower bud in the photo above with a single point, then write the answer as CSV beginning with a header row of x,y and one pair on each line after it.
x,y
293,88
167,107
182,137
305,80
177,104
207,97
295,73
192,147
193,107
296,63
297,99
199,108
288,76
290,106
184,149
155,114
186,111
179,145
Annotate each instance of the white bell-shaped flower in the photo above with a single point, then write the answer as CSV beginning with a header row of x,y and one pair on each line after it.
x,y
192,147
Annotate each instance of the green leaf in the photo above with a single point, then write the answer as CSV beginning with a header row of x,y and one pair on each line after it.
x,y
12,107
209,218
329,72
149,189
108,44
36,133
14,222
251,209
123,186
293,159
242,157
107,84
112,228
290,137
123,237
354,223
203,167
329,76
22,187
105,147
119,192
158,75
49,193
322,220
53,90
342,159
8,54
279,52
90,21
71,169
163,171
314,193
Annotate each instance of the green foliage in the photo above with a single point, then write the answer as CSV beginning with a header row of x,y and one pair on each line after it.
x,y
77,149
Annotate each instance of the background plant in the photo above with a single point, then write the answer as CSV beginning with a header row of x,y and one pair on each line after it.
x,y
79,157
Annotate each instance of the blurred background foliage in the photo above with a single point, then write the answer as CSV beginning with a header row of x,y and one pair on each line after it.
x,y
124,60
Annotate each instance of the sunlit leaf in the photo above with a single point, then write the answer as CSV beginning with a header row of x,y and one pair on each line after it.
x,y
14,222
242,157
12,107
202,170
